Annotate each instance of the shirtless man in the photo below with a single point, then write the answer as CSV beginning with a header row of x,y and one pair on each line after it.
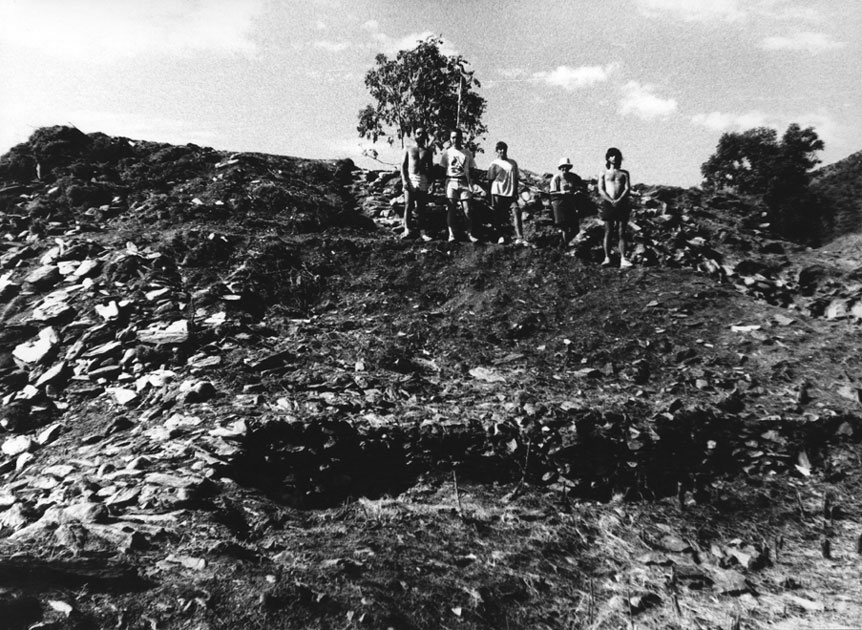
x,y
457,161
415,171
614,187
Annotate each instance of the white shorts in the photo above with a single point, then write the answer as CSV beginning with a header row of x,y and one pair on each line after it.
x,y
457,188
419,182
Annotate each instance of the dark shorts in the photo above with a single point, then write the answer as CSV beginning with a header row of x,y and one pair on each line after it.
x,y
565,211
416,197
502,205
621,212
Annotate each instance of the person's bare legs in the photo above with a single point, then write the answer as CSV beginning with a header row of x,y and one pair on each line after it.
x,y
500,210
518,222
471,223
624,261
410,206
609,230
452,217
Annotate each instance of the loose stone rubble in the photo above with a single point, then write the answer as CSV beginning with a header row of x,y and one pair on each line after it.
x,y
136,338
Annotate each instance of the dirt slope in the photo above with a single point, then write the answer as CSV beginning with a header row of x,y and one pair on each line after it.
x,y
233,398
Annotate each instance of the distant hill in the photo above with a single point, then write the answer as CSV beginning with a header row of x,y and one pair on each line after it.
x,y
839,185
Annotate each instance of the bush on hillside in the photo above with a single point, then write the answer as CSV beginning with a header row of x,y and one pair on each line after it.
x,y
757,163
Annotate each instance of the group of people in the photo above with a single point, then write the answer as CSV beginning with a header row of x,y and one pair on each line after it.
x,y
503,180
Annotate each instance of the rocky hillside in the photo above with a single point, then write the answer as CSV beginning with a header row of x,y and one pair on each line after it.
x,y
232,397
839,186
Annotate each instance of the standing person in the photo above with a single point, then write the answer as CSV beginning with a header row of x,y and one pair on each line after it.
x,y
457,161
614,187
565,185
415,173
504,176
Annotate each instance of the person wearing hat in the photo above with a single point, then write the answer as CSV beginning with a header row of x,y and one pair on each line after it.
x,y
614,187
503,176
564,186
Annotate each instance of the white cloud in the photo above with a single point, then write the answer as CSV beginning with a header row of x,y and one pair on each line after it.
x,y
807,41
512,73
723,121
788,10
572,79
641,101
333,76
729,10
106,29
823,124
694,10
331,46
391,45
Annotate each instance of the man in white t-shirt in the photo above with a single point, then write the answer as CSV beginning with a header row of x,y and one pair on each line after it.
x,y
458,161
504,176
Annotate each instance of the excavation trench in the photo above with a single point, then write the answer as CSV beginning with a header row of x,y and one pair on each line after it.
x,y
587,454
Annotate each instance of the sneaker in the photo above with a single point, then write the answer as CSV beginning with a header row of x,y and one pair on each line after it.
x,y
501,240
425,236
472,238
606,262
407,234
625,263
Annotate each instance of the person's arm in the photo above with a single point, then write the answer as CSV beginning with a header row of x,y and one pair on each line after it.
x,y
626,186
602,192
579,187
516,177
468,164
405,161
492,174
428,164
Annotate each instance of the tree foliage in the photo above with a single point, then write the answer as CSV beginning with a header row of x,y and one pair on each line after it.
x,y
748,162
420,88
756,162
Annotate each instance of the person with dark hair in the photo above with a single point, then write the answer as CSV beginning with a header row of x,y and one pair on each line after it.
x,y
565,186
503,175
457,161
415,172
614,188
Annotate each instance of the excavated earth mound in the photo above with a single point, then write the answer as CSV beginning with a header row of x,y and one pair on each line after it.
x,y
232,397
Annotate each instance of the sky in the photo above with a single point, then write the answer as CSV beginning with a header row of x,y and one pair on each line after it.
x,y
660,79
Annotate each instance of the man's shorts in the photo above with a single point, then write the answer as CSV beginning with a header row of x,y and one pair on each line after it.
x,y
565,211
457,189
502,205
621,212
419,182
